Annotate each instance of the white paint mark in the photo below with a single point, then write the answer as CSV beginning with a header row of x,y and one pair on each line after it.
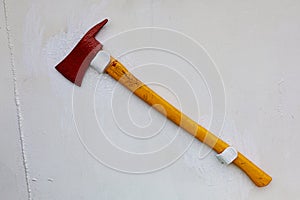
x,y
280,82
281,108
228,155
17,100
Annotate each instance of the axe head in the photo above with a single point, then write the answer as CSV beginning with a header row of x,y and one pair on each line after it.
x,y
74,66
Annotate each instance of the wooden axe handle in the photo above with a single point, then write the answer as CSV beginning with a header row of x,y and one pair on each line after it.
x,y
117,71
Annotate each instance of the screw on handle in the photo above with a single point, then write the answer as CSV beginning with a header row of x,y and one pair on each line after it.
x,y
117,71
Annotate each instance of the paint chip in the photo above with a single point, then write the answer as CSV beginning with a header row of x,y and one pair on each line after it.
x,y
50,179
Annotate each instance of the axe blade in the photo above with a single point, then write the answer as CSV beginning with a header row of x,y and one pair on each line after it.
x,y
74,66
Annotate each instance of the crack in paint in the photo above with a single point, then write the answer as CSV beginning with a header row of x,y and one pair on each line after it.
x,y
17,100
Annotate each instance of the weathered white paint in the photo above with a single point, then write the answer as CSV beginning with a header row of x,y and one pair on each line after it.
x,y
256,46
101,61
228,155
12,165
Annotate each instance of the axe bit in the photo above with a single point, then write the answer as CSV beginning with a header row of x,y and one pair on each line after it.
x,y
87,52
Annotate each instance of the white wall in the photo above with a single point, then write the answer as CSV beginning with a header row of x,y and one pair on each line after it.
x,y
50,142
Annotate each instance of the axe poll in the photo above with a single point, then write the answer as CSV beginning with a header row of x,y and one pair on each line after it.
x,y
88,52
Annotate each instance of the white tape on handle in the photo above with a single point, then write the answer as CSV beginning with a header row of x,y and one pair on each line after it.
x,y
101,61
228,155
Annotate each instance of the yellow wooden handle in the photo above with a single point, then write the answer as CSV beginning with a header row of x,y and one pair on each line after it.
x,y
121,74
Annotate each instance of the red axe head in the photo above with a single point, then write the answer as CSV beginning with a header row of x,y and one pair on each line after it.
x,y
76,63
